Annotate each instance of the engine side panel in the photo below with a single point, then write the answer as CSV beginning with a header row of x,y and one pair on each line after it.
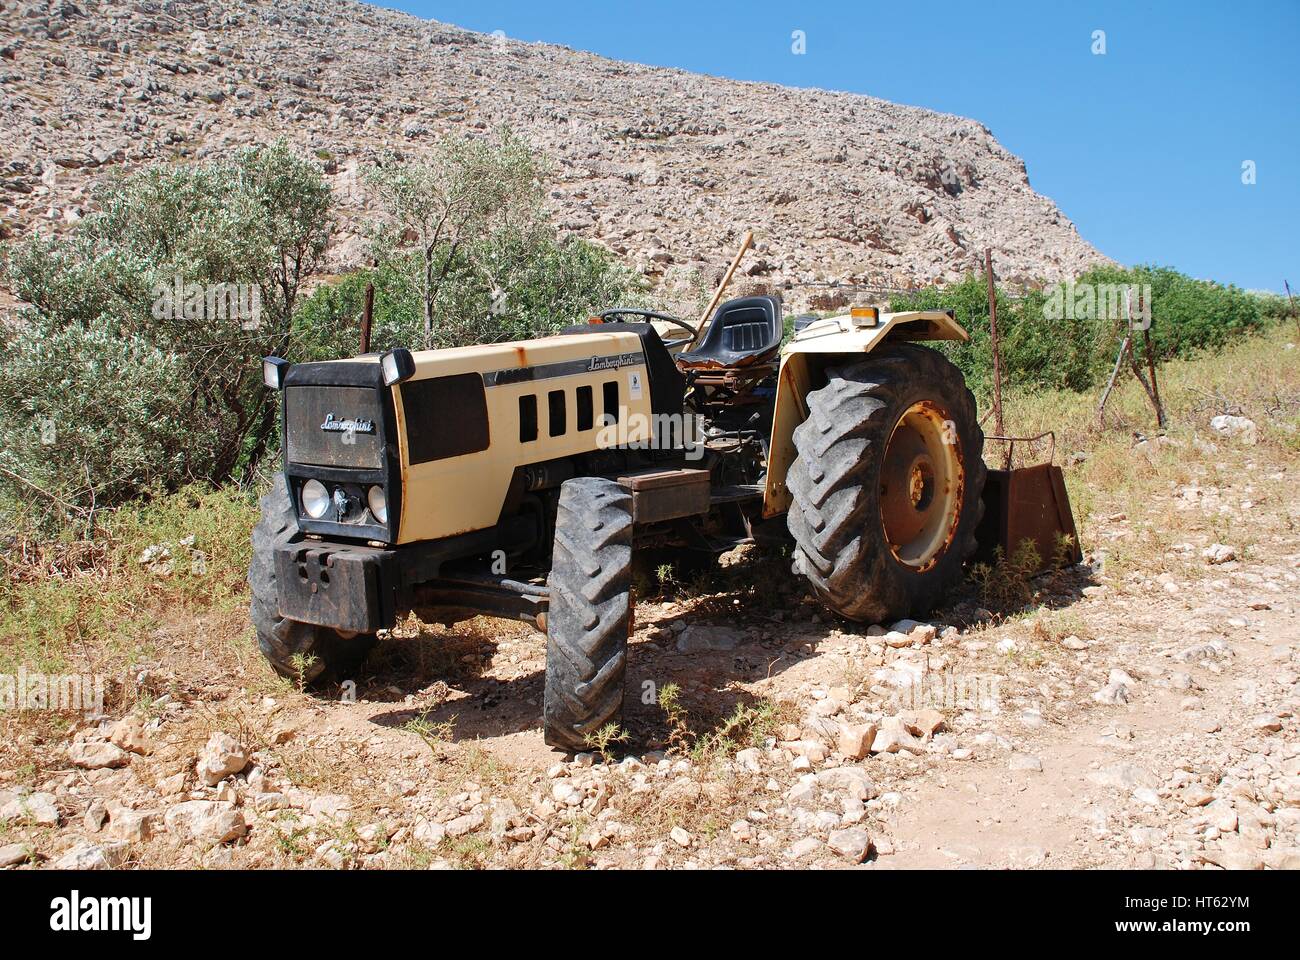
x,y
565,384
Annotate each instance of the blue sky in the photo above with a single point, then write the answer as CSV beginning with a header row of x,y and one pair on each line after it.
x,y
1141,147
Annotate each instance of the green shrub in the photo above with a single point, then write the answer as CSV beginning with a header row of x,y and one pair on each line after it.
x,y
141,353
1188,316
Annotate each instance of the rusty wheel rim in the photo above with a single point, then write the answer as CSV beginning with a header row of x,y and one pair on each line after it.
x,y
921,486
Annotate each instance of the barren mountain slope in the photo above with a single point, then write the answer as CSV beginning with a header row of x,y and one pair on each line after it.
x,y
662,166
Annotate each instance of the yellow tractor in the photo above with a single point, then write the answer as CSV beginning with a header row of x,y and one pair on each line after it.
x,y
516,480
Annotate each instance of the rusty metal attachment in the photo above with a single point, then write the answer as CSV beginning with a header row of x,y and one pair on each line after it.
x,y
1028,503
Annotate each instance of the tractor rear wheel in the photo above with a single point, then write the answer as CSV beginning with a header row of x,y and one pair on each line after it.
x,y
590,612
302,652
886,487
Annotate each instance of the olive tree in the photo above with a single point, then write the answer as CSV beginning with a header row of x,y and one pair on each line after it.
x,y
433,212
163,301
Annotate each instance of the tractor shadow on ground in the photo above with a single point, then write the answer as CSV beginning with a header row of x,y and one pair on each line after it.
x,y
446,670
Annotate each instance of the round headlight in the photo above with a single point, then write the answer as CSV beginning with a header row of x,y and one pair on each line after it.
x,y
315,499
378,503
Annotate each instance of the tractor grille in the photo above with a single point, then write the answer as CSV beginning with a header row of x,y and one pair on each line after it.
x,y
329,426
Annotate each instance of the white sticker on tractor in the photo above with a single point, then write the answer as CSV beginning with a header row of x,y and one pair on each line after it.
x,y
634,384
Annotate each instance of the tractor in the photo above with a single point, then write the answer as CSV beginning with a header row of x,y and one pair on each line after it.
x,y
516,480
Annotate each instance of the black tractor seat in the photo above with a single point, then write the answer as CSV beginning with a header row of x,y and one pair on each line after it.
x,y
743,332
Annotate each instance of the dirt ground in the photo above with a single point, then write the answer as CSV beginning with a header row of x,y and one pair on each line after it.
x,y
1137,710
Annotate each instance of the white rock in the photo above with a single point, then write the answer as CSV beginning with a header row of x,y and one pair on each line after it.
x,y
206,821
679,837
428,832
851,781
1113,694
701,638
97,755
12,854
91,856
333,806
1226,425
805,848
40,809
223,756
1217,553
852,843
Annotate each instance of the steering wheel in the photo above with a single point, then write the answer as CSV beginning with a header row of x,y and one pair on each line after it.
x,y
652,315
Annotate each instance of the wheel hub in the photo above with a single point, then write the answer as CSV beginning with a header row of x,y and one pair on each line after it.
x,y
921,486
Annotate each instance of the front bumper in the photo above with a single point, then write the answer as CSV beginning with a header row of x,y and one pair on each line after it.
x,y
345,587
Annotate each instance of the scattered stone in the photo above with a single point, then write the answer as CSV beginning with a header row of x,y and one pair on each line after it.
x,y
805,848
91,856
1217,553
97,755
39,809
679,837
1243,428
205,821
223,756
12,854
129,734
856,740
702,638
852,843
750,759
852,781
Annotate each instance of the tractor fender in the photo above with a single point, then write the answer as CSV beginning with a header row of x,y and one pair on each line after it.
x,y
824,343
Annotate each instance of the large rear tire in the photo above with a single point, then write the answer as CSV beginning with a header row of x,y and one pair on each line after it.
x,y
590,612
322,654
886,488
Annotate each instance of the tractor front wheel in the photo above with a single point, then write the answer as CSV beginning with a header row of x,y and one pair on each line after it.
x,y
302,652
590,611
887,484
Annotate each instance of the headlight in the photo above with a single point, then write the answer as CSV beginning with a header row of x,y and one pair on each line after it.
x,y
378,503
274,371
315,499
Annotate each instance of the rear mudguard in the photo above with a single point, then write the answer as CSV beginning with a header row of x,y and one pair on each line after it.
x,y
824,343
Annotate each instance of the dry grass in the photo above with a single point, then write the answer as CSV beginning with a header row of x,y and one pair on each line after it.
x,y
1258,378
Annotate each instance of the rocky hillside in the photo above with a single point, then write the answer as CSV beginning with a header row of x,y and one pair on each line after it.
x,y
664,167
